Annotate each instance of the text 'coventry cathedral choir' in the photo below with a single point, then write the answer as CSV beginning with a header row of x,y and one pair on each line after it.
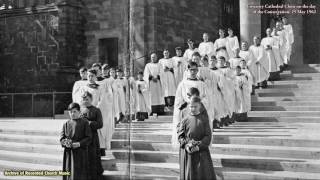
x,y
206,88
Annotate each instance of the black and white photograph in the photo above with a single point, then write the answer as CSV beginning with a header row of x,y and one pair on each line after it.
x,y
159,90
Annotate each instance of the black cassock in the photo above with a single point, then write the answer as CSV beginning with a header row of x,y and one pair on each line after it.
x,y
197,165
76,160
94,116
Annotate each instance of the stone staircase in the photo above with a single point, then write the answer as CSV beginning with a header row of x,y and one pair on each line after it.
x,y
279,141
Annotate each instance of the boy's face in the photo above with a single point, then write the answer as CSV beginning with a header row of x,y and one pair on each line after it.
x,y
86,100
244,46
212,63
98,71
105,72
91,77
119,74
196,59
221,33
238,71
256,41
166,54
194,108
190,44
74,113
113,73
179,52
193,71
153,58
205,37
83,74
140,77
243,64
230,32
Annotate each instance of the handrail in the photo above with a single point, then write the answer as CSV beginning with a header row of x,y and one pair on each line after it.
x,y
33,94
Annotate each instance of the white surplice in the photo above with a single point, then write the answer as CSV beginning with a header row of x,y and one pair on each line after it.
x,y
259,71
206,48
155,88
188,53
168,81
220,48
180,65
232,46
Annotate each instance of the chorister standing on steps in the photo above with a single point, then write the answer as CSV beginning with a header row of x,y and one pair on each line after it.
x,y
206,87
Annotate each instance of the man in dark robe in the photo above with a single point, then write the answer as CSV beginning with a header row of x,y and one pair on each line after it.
x,y
194,136
75,138
94,117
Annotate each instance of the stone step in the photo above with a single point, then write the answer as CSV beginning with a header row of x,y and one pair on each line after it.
x,y
28,147
119,175
289,90
165,154
4,130
284,113
302,74
245,174
286,98
299,82
222,139
288,93
3,177
285,119
286,103
290,77
292,86
32,139
221,161
33,158
285,108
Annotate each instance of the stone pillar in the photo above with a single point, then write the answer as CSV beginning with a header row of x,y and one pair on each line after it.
x,y
250,22
137,41
296,21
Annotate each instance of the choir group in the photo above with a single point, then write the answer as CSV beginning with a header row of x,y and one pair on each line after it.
x,y
206,87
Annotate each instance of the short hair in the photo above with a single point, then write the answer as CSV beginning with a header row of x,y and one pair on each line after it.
x,y
83,69
230,29
190,40
140,73
238,67
165,50
221,30
192,64
105,67
242,60
256,36
87,94
195,99
178,48
96,65
213,57
112,69
205,33
196,54
73,106
93,71
221,58
119,70
204,58
194,91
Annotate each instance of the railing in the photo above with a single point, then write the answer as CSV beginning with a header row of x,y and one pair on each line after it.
x,y
40,104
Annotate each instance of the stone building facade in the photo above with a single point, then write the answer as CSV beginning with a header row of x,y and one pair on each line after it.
x,y
44,42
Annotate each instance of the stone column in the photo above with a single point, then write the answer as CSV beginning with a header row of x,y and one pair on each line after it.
x,y
296,20
250,22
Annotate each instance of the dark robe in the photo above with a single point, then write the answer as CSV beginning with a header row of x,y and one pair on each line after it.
x,y
76,160
94,116
197,165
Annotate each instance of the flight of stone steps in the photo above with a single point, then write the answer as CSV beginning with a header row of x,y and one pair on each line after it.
x,y
279,141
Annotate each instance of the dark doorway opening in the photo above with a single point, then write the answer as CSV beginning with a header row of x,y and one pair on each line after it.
x,y
230,16
108,51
